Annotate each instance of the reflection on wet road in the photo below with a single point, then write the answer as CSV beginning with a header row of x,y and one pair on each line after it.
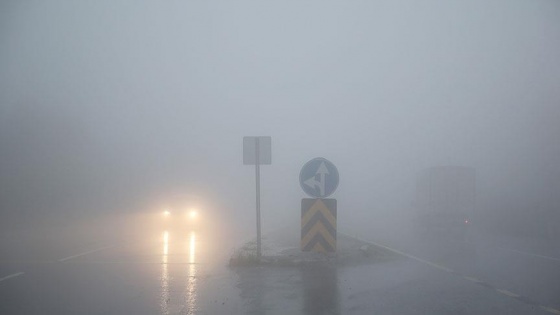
x,y
320,289
185,272
312,289
169,306
191,277
156,272
165,274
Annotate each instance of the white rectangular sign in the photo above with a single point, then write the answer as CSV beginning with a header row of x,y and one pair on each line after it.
x,y
249,150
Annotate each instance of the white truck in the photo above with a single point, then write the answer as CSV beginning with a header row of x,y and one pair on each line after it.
x,y
445,200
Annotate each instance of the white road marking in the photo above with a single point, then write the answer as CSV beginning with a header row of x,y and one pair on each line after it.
x,y
531,254
17,274
472,279
502,291
508,293
550,310
112,262
407,255
85,253
518,251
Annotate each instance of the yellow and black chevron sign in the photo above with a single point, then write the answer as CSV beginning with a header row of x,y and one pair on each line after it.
x,y
318,225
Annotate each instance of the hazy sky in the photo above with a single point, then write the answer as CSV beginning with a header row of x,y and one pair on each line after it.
x,y
118,103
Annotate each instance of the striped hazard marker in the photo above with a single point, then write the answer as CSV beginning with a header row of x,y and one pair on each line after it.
x,y
318,225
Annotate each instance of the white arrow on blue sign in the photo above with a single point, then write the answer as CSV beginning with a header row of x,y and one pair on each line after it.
x,y
318,178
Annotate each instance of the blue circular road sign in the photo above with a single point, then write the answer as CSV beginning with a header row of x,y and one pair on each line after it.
x,y
318,178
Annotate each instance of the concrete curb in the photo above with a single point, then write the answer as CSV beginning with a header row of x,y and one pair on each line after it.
x,y
350,251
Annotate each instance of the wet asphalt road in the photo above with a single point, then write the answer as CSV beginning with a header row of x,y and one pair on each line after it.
x,y
525,270
185,272
166,272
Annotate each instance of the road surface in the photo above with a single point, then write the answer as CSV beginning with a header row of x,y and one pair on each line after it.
x,y
185,272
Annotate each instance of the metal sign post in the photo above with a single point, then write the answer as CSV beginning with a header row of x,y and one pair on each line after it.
x,y
257,151
258,193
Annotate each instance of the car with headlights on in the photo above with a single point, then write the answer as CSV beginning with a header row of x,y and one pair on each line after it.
x,y
179,219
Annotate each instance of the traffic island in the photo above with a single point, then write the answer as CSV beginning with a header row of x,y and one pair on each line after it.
x,y
280,251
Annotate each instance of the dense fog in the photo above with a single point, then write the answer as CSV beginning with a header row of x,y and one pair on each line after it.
x,y
121,106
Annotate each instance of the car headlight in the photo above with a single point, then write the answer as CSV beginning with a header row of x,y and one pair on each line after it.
x,y
193,214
